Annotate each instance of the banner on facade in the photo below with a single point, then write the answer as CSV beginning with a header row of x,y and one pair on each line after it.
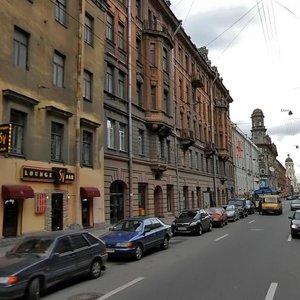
x,y
5,138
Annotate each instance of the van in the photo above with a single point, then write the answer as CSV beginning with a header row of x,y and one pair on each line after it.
x,y
271,204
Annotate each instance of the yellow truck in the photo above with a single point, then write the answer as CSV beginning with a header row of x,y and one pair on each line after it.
x,y
271,204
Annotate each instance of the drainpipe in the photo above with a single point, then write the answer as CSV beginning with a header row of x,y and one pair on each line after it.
x,y
130,164
213,137
78,109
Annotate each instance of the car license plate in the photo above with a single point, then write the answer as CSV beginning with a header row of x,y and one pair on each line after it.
x,y
182,228
109,250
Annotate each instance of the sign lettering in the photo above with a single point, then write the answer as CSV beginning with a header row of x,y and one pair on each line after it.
x,y
5,138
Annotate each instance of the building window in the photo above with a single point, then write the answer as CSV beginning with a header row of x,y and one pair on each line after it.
x,y
18,120
165,60
87,148
20,48
168,151
121,32
161,148
58,69
166,102
110,28
141,142
122,137
139,93
111,129
190,158
153,97
138,8
169,198
139,49
197,160
56,141
60,11
87,85
109,79
122,85
180,89
88,29
152,54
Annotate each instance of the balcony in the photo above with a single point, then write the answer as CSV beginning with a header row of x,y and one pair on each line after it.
x,y
209,150
187,138
158,29
223,154
197,81
158,168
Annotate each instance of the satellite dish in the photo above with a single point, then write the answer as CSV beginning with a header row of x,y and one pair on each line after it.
x,y
271,169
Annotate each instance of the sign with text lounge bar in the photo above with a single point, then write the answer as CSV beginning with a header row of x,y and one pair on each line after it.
x,y
54,175
5,138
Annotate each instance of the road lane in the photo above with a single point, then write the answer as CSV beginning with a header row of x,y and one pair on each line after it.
x,y
241,265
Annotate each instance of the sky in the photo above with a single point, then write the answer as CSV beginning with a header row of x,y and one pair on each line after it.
x,y
255,44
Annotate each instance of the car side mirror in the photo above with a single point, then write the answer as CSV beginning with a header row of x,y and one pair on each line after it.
x,y
111,228
290,218
55,255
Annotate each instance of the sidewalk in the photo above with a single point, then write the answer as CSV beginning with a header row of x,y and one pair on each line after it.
x,y
7,243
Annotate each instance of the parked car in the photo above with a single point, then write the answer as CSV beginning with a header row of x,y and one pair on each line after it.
x,y
295,204
131,237
218,216
240,204
232,213
194,221
38,262
295,224
250,206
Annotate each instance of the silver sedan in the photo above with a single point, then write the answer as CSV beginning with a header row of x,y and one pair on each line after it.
x,y
232,213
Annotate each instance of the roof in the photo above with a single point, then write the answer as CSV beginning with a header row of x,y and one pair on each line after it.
x,y
258,112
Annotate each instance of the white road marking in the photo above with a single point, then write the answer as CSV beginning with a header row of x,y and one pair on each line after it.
x,y
251,221
257,229
271,291
121,288
221,237
289,238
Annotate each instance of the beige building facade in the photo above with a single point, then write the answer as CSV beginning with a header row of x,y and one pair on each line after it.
x,y
51,112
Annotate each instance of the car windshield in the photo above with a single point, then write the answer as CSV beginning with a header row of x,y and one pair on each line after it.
x,y
188,214
230,207
33,245
270,200
212,211
237,202
297,216
128,225
295,201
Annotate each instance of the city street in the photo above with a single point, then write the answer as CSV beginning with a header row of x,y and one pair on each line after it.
x,y
254,258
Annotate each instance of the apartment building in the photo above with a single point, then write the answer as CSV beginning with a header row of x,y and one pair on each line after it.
x,y
51,115
168,134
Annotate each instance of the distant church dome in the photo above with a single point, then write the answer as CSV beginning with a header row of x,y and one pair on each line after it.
x,y
288,160
257,113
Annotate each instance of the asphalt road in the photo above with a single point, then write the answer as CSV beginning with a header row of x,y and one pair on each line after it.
x,y
253,258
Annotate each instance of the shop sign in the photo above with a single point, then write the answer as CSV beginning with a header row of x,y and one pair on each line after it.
x,y
56,175
5,138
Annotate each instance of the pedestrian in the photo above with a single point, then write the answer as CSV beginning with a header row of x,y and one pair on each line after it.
x,y
259,207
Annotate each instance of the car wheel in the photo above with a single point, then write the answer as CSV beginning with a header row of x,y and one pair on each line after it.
x,y
199,230
138,252
210,226
95,269
221,223
33,290
165,244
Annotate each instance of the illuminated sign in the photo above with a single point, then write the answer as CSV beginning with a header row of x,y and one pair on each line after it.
x,y
56,175
5,138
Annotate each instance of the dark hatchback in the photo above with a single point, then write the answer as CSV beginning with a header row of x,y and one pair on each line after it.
x,y
194,221
295,224
131,237
39,262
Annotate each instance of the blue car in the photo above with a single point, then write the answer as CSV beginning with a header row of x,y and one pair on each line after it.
x,y
131,237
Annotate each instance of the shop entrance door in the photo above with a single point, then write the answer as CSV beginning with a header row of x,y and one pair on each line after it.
x,y
10,220
116,202
85,212
57,212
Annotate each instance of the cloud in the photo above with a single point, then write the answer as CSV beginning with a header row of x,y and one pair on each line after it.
x,y
290,128
207,25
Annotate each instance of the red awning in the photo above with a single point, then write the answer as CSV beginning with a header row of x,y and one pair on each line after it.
x,y
17,192
89,192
